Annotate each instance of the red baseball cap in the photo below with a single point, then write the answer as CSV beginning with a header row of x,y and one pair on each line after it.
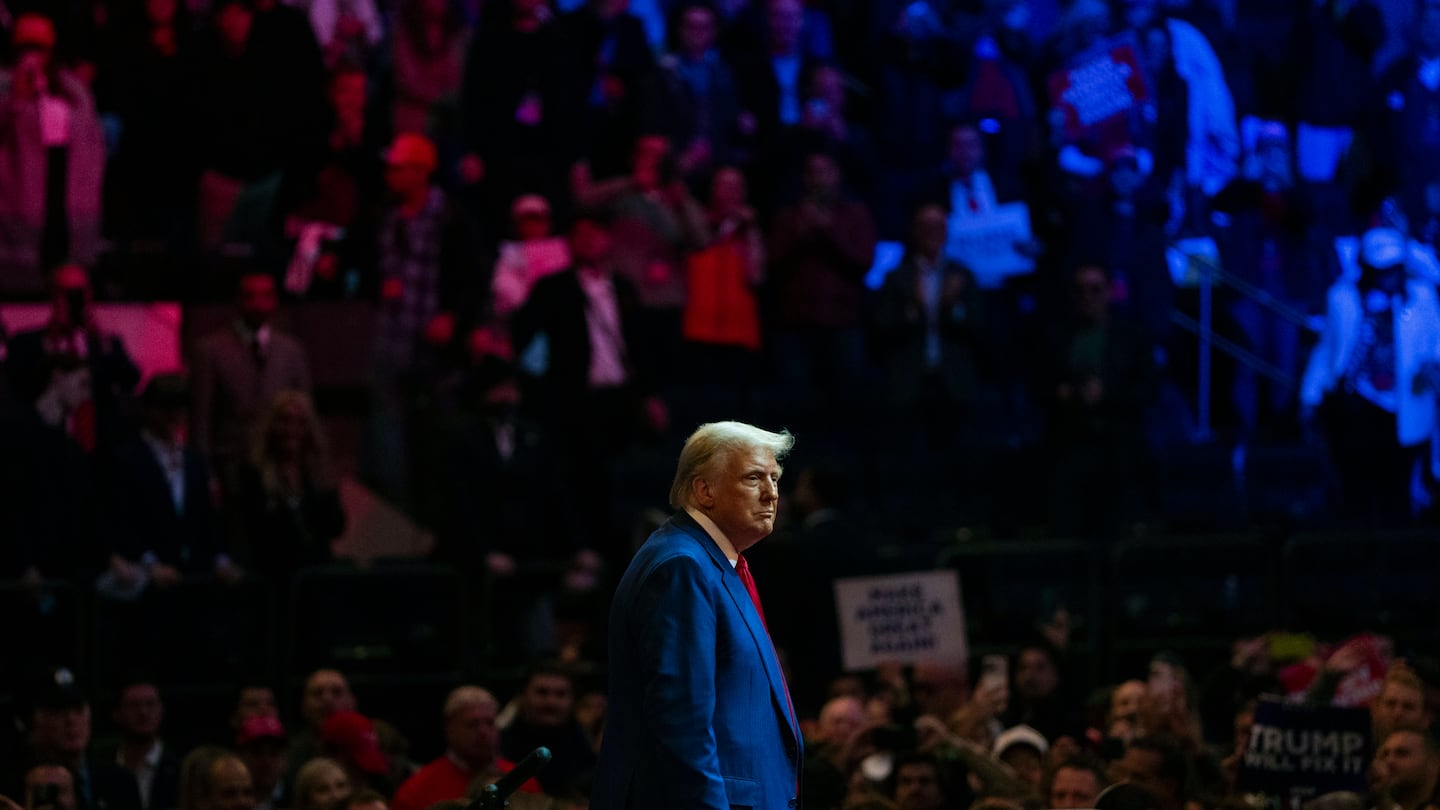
x,y
259,728
353,736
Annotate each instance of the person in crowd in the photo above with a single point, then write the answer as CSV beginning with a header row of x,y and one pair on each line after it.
x,y
43,780
656,224
516,108
332,182
1158,765
967,188
721,319
1401,703
139,714
213,778
49,480
499,472
1407,770
595,391
696,687
52,152
827,749
533,253
72,337
1371,381
423,265
928,324
1100,381
236,373
771,82
606,61
150,183
1023,750
1337,43
256,90
319,784
56,721
1075,783
1401,108
918,784
350,738
545,716
325,692
160,502
288,504
253,699
350,30
429,52
260,743
472,745
820,250
692,98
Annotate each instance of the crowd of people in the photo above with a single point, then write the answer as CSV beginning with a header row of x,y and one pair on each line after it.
x,y
1027,733
578,227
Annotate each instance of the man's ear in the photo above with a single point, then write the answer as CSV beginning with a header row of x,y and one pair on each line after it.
x,y
700,493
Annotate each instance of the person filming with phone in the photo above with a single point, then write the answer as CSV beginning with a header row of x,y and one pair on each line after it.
x,y
48,786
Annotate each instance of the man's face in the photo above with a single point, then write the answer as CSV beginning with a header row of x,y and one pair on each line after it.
x,y
258,299
265,759
931,231
697,31
589,243
472,734
840,719
230,786
650,153
1092,295
1128,701
1074,788
1403,766
63,731
1399,706
234,25
347,95
326,692
744,495
967,150
140,712
255,701
822,176
1035,675
1027,764
547,700
407,179
45,777
917,787
1142,767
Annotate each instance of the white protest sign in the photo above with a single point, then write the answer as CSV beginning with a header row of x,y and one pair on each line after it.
x,y
900,617
986,243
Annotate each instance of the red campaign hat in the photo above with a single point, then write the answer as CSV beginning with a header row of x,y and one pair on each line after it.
x,y
353,735
259,728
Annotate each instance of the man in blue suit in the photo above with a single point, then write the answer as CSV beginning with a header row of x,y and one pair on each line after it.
x,y
699,713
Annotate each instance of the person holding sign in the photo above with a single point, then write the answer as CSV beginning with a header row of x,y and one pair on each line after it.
x,y
699,711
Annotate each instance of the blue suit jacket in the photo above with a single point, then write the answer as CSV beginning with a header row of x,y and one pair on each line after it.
x,y
698,714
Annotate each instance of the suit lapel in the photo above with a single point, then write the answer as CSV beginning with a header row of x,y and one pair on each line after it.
x,y
779,693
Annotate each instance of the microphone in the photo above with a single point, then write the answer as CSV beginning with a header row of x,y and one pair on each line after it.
x,y
494,796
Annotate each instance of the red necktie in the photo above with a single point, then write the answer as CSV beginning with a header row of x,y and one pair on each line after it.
x,y
743,569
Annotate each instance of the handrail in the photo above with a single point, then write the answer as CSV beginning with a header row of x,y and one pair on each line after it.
x,y
1234,349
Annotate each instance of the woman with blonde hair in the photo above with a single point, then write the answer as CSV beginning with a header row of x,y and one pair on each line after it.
x,y
288,506
319,784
